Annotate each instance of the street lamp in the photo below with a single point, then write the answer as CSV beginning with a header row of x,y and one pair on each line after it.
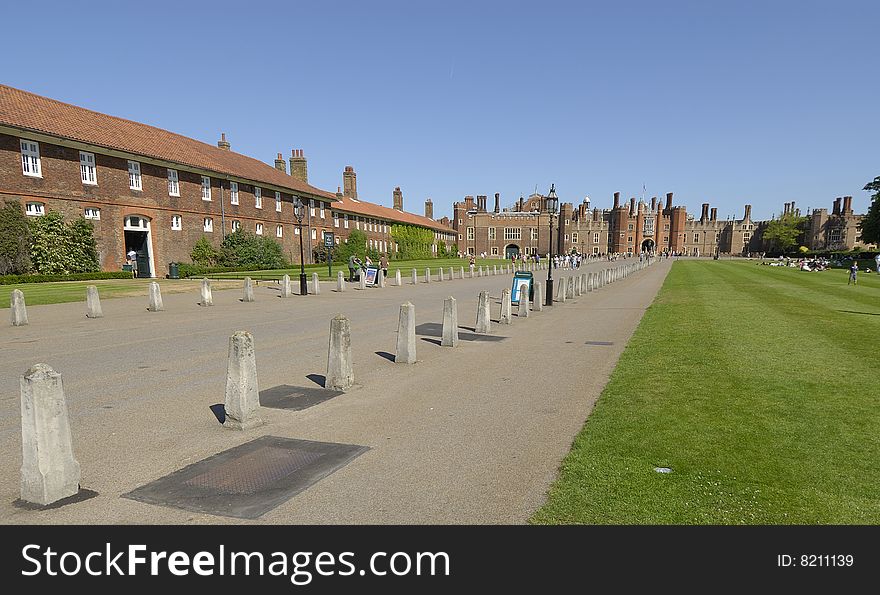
x,y
299,210
552,203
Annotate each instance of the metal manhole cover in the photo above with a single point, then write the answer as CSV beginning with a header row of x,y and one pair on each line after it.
x,y
249,480
295,398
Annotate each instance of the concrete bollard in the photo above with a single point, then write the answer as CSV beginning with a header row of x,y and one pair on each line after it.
x,y
560,293
340,281
18,309
589,282
285,286
362,280
242,403
577,285
451,274
450,323
506,315
381,278
397,278
484,319
207,298
494,269
340,375
480,271
155,298
49,472
461,272
406,335
508,270
415,277
570,289
316,284
538,304
248,290
523,311
93,303
440,274
427,274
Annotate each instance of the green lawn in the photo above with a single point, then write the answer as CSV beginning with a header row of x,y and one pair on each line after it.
x,y
758,386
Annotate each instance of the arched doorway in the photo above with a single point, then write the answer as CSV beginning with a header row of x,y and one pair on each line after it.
x,y
648,245
510,251
137,238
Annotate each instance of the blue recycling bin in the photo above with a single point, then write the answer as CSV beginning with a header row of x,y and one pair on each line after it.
x,y
522,281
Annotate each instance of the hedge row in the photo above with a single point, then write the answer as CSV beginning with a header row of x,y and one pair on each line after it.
x,y
16,279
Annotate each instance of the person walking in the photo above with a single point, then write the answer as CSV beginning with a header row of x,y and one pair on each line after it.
x,y
383,264
354,263
853,270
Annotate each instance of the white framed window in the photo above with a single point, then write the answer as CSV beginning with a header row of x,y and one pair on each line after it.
x,y
335,219
173,183
595,238
134,176
459,221
595,249
696,237
233,193
748,235
491,234
87,168
345,220
259,229
336,239
494,250
470,233
534,234
176,222
236,225
296,231
279,231
30,159
92,213
35,209
574,238
512,233
206,188
311,207
566,238
258,198
208,224
321,214
314,234
278,202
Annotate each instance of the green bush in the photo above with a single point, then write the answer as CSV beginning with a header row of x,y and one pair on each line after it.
x,y
203,253
413,243
16,279
59,248
244,249
15,239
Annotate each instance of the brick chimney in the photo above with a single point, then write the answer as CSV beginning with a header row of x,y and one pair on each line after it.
x,y
481,202
299,168
668,200
429,209
617,200
714,214
469,202
397,197
280,163
497,202
748,214
705,214
836,210
632,206
847,205
349,182
339,194
223,143
653,203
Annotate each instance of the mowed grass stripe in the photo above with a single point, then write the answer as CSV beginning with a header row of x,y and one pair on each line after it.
x,y
753,386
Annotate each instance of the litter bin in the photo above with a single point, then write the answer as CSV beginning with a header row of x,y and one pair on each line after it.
x,y
520,279
173,270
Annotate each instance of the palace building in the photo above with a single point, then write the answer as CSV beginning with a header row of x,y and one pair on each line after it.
x,y
157,192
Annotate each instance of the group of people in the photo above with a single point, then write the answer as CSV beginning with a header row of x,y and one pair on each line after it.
x,y
357,267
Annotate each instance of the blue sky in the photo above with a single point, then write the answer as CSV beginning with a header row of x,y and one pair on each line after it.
x,y
726,103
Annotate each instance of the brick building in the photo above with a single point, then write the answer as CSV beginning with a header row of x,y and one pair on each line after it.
x,y
156,192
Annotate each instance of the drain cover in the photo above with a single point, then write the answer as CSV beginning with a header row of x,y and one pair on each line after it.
x,y
295,398
249,480
662,469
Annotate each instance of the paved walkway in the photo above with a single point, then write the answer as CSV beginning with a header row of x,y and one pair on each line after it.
x,y
467,435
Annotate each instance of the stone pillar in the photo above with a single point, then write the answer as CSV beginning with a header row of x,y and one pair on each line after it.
x,y
523,311
242,390
506,315
406,335
461,271
494,269
93,303
316,285
560,293
538,304
397,278
451,274
362,280
570,289
340,281
415,277
440,274
248,290
340,375
207,298
509,269
155,298
484,319
285,286
18,309
48,470
427,274
450,323
381,277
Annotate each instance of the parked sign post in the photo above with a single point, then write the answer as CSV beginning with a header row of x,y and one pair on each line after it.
x,y
328,243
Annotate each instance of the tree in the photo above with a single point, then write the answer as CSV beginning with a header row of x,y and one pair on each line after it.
x,y
203,253
15,239
783,233
355,244
869,226
57,248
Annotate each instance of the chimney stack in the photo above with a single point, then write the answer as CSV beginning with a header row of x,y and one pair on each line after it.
x,y
339,194
705,214
520,207
748,214
616,200
497,202
481,202
836,210
223,143
349,182
397,197
653,203
714,215
632,207
847,205
668,200
429,209
298,166
280,163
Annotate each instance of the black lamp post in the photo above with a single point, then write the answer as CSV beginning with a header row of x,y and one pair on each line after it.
x,y
552,204
299,210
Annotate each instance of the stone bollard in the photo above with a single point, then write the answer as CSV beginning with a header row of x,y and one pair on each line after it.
x,y
589,282
155,298
570,289
248,290
538,305
494,269
48,470
506,315
285,286
316,284
406,335
340,281
207,298
508,270
450,323
362,280
381,278
397,278
577,285
18,309
415,277
523,311
440,274
93,303
484,319
560,293
427,275
451,274
340,375
242,390
461,272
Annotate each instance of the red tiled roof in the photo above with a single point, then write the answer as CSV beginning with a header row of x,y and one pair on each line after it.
x,y
369,209
40,114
